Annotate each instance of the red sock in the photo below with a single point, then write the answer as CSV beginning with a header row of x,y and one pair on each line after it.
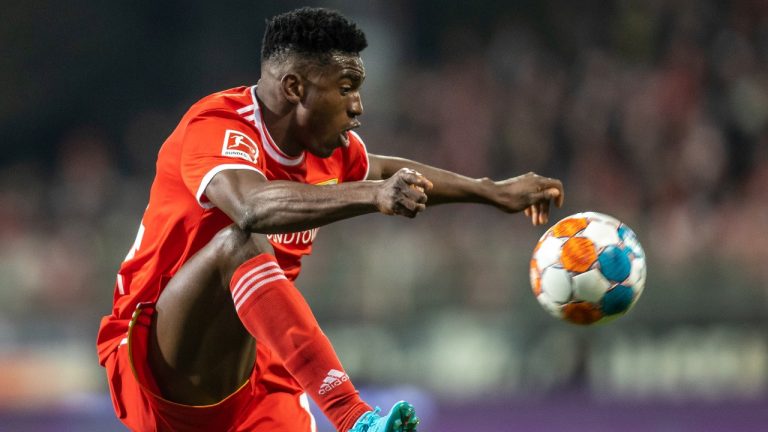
x,y
276,314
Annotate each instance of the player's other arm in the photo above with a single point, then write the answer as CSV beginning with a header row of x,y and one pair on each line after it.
x,y
529,192
258,205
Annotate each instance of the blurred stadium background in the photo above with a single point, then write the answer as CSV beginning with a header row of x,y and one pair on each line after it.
x,y
654,111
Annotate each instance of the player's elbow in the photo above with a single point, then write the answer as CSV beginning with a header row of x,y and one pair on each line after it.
x,y
249,221
257,220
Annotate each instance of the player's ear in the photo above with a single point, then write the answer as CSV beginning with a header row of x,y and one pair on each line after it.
x,y
292,87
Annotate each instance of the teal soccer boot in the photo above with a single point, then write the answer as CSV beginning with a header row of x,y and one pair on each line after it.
x,y
401,418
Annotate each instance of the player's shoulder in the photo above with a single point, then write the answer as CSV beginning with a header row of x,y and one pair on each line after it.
x,y
228,116
238,101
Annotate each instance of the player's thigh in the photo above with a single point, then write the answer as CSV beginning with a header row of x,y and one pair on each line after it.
x,y
196,330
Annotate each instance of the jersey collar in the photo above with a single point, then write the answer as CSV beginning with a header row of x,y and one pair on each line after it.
x,y
269,145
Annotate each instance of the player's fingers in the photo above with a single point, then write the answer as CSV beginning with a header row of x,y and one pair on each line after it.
x,y
547,183
420,182
417,194
535,198
422,198
543,212
555,189
408,207
412,212
552,194
414,178
560,198
538,211
542,215
534,214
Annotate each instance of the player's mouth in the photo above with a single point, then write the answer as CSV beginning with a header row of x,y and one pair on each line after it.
x,y
345,132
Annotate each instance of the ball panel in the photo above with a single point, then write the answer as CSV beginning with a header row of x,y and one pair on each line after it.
x,y
603,218
637,276
601,233
550,305
569,227
535,276
557,283
590,286
549,252
581,313
578,254
617,300
614,263
630,240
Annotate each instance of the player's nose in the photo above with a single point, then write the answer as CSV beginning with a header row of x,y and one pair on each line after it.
x,y
356,106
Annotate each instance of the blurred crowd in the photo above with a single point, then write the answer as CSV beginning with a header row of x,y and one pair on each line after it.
x,y
653,111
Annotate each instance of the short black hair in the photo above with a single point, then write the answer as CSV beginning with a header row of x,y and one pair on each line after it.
x,y
313,32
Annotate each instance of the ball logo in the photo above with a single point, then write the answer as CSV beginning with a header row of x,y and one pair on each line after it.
x,y
239,145
333,379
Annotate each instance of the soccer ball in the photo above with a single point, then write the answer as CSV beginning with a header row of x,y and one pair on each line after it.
x,y
588,268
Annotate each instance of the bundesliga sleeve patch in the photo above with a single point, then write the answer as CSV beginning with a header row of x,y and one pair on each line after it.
x,y
239,145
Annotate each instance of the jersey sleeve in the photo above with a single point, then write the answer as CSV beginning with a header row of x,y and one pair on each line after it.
x,y
215,141
356,163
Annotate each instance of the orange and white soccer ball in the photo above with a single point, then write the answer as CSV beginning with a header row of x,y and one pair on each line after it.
x,y
587,268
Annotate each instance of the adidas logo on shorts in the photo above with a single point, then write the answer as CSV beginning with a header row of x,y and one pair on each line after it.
x,y
333,379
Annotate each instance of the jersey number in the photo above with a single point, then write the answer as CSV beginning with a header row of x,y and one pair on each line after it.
x,y
131,253
136,243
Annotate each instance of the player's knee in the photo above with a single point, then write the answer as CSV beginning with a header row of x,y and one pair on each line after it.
x,y
235,246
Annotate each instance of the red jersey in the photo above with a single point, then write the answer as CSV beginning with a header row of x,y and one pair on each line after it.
x,y
223,131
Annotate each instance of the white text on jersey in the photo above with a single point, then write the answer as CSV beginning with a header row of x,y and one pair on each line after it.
x,y
298,238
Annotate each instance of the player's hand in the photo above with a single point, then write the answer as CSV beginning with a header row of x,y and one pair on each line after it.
x,y
530,193
403,194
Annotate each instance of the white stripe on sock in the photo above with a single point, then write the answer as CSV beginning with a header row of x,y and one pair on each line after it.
x,y
252,289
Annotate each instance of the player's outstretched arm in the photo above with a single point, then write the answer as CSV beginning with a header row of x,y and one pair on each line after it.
x,y
529,192
258,205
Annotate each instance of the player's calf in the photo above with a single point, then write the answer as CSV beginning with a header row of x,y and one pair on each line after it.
x,y
276,314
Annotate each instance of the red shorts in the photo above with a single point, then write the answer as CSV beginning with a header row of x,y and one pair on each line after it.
x,y
270,401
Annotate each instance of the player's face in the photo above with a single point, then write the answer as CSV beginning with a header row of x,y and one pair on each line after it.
x,y
332,105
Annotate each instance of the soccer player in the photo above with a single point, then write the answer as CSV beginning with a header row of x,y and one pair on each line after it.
x,y
208,332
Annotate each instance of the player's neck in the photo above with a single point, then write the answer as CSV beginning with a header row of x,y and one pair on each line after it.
x,y
277,119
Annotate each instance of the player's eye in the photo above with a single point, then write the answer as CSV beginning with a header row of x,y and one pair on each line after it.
x,y
345,90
